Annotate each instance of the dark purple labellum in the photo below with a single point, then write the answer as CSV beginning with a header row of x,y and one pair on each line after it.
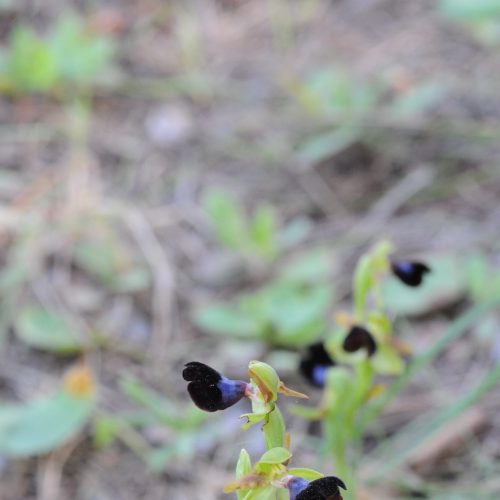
x,y
410,273
209,390
315,363
359,338
325,488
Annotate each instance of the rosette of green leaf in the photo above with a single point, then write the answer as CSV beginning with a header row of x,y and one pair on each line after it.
x,y
287,313
69,54
45,424
250,236
29,64
290,311
81,56
335,96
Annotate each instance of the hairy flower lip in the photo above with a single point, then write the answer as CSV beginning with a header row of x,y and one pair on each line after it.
x,y
315,363
326,488
410,272
323,488
359,338
211,391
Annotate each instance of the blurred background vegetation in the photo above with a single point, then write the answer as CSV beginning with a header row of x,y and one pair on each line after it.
x,y
194,180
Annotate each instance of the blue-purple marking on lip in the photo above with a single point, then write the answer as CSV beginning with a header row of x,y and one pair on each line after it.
x,y
315,363
319,374
295,485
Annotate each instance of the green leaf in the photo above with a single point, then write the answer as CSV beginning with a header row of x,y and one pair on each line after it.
x,y
483,280
467,10
278,455
228,219
387,361
30,64
227,320
327,144
264,230
99,258
243,468
42,425
300,336
295,232
308,268
308,474
48,331
80,55
293,308
105,429
417,99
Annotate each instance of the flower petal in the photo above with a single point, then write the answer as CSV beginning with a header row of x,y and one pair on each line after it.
x,y
359,338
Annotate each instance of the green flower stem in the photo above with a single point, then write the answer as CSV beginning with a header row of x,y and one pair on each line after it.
x,y
338,444
274,429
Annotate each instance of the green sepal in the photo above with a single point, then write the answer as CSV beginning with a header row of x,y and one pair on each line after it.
x,y
278,455
308,474
387,361
265,378
267,493
243,468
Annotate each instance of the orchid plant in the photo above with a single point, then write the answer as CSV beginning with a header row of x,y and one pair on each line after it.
x,y
359,348
270,478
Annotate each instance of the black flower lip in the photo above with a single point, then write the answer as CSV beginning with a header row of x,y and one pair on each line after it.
x,y
325,488
359,338
209,390
410,272
315,364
